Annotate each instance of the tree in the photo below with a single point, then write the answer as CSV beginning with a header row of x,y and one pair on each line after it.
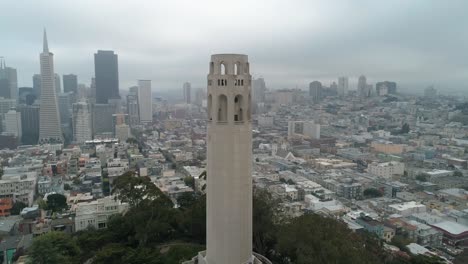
x,y
372,193
265,216
54,248
458,173
17,208
66,187
290,182
421,177
186,199
133,190
189,181
405,128
56,202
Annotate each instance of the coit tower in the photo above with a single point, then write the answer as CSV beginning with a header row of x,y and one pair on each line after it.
x,y
229,161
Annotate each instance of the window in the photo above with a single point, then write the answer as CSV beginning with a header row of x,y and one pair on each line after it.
x,y
222,108
222,68
238,105
210,99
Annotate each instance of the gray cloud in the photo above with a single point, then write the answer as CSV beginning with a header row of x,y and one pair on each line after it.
x,y
290,43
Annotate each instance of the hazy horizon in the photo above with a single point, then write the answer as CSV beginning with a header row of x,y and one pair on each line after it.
x,y
415,43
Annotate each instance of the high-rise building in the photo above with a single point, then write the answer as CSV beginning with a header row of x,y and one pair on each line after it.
x,y
70,83
200,95
64,103
13,123
58,84
258,90
103,119
315,91
8,81
82,122
106,70
187,89
430,92
133,108
362,86
6,105
391,87
26,95
342,86
229,162
37,80
145,102
29,123
49,121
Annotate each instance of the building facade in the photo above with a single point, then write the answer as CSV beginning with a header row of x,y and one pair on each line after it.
x,y
107,76
144,101
49,120
70,83
82,122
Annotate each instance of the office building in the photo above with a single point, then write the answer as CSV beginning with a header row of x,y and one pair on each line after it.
x,y
187,89
49,121
58,84
70,83
26,95
390,87
8,81
13,123
258,90
342,86
82,122
145,101
133,109
29,123
106,71
315,91
37,84
103,124
64,102
362,86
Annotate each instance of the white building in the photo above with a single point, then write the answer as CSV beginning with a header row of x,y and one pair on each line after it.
x,y
96,213
122,132
387,169
342,86
13,123
82,121
144,101
49,118
408,208
303,129
19,186
187,93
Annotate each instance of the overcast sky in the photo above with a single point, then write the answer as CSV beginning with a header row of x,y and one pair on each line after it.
x,y
289,43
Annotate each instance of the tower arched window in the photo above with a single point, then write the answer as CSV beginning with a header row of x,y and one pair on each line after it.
x,y
247,68
222,69
238,108
222,108
237,68
210,102
249,106
211,67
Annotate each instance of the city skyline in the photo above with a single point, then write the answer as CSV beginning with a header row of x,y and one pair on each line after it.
x,y
381,43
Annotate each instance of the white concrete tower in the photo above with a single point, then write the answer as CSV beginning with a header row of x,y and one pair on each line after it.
x,y
145,101
229,161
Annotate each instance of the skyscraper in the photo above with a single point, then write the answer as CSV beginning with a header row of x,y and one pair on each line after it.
x,y
64,104
187,89
258,90
342,86
37,85
390,86
58,86
82,122
49,120
132,107
70,83
107,76
362,86
103,124
229,163
315,91
145,101
8,81
29,123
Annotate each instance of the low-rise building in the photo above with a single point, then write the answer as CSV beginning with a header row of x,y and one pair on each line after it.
x,y
96,213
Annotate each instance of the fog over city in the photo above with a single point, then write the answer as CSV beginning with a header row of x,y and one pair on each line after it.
x,y
416,43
